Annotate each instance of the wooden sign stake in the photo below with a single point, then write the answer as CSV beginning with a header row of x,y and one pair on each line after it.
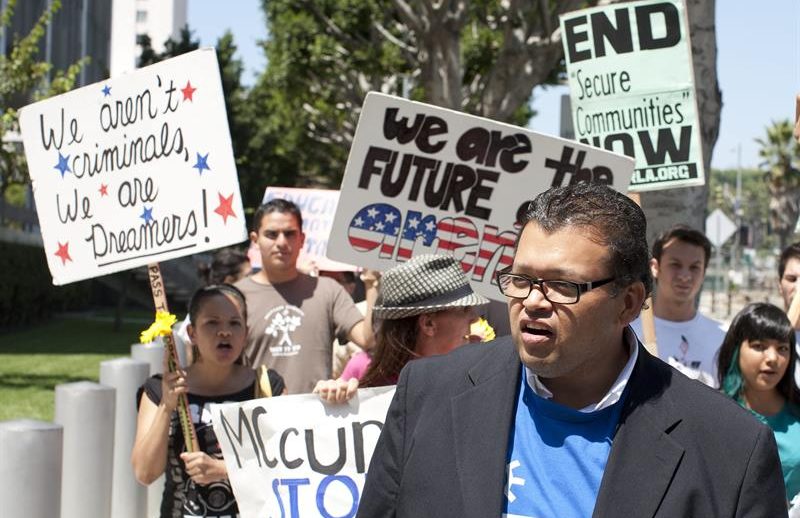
x,y
647,316
160,302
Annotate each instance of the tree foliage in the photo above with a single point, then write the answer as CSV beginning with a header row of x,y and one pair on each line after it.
x,y
482,57
780,154
172,47
23,76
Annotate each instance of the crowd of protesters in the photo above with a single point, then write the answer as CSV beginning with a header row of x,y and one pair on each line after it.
x,y
571,387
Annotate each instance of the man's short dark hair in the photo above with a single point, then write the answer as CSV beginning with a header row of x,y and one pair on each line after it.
x,y
790,252
612,218
277,205
683,233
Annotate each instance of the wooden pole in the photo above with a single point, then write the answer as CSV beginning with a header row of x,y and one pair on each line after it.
x,y
647,316
797,118
160,302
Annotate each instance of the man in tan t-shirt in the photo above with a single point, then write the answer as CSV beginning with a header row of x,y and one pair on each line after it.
x,y
293,317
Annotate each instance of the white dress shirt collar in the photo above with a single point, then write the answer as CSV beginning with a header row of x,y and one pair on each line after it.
x,y
614,393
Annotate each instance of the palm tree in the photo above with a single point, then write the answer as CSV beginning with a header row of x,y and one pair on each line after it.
x,y
781,157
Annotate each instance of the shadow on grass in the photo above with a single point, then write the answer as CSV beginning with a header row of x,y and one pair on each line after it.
x,y
71,335
19,381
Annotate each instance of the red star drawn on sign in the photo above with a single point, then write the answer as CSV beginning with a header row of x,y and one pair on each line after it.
x,y
188,91
63,252
103,189
225,208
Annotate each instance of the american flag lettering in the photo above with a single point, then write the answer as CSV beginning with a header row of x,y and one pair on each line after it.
x,y
375,225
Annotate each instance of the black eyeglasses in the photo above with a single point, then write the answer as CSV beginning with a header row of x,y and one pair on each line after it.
x,y
558,292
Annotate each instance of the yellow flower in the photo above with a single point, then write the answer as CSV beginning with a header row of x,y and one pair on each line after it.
x,y
482,329
161,327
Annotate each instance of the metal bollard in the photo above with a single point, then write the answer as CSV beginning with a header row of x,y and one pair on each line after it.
x,y
30,470
86,411
126,375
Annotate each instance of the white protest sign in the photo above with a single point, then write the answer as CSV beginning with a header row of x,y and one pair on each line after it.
x,y
422,179
134,170
632,88
318,207
296,456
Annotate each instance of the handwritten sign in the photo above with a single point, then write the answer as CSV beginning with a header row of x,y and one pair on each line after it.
x,y
422,179
134,170
632,88
296,456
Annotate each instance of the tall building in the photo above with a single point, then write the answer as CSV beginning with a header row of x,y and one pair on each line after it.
x,y
80,28
159,19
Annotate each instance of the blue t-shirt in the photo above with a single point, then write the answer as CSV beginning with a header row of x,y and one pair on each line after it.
x,y
556,458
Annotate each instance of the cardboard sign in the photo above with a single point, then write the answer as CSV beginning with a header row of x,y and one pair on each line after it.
x,y
422,179
134,170
296,456
318,207
632,88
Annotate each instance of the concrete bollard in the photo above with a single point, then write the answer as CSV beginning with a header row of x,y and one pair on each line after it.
x,y
86,411
30,469
152,353
126,375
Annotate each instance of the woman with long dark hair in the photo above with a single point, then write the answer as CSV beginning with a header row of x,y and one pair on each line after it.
x,y
756,367
196,483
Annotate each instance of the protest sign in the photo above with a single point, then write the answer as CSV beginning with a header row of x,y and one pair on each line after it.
x,y
296,456
422,179
632,88
134,170
317,206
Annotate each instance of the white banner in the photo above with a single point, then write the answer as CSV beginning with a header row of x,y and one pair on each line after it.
x,y
632,88
422,179
295,456
134,170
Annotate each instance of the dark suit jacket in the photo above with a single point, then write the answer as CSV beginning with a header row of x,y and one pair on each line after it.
x,y
681,449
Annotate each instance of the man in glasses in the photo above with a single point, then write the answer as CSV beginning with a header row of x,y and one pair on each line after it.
x,y
292,317
569,416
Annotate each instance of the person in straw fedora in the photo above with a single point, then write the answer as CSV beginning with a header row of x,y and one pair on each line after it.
x,y
425,307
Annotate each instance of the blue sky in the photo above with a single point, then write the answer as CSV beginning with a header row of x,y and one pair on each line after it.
x,y
758,65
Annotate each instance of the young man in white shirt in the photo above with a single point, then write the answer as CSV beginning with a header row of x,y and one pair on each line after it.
x,y
685,338
788,274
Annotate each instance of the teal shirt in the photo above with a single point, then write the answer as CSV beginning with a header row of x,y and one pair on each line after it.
x,y
786,426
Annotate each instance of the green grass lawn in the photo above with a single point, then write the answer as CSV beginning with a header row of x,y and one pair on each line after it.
x,y
62,350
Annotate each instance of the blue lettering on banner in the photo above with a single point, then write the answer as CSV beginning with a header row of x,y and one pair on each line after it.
x,y
294,484
349,484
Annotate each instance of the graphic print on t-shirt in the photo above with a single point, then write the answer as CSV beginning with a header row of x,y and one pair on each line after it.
x,y
207,500
511,481
684,348
281,321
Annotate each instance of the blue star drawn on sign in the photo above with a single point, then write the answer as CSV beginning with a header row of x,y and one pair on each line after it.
x,y
63,164
202,163
147,215
106,91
